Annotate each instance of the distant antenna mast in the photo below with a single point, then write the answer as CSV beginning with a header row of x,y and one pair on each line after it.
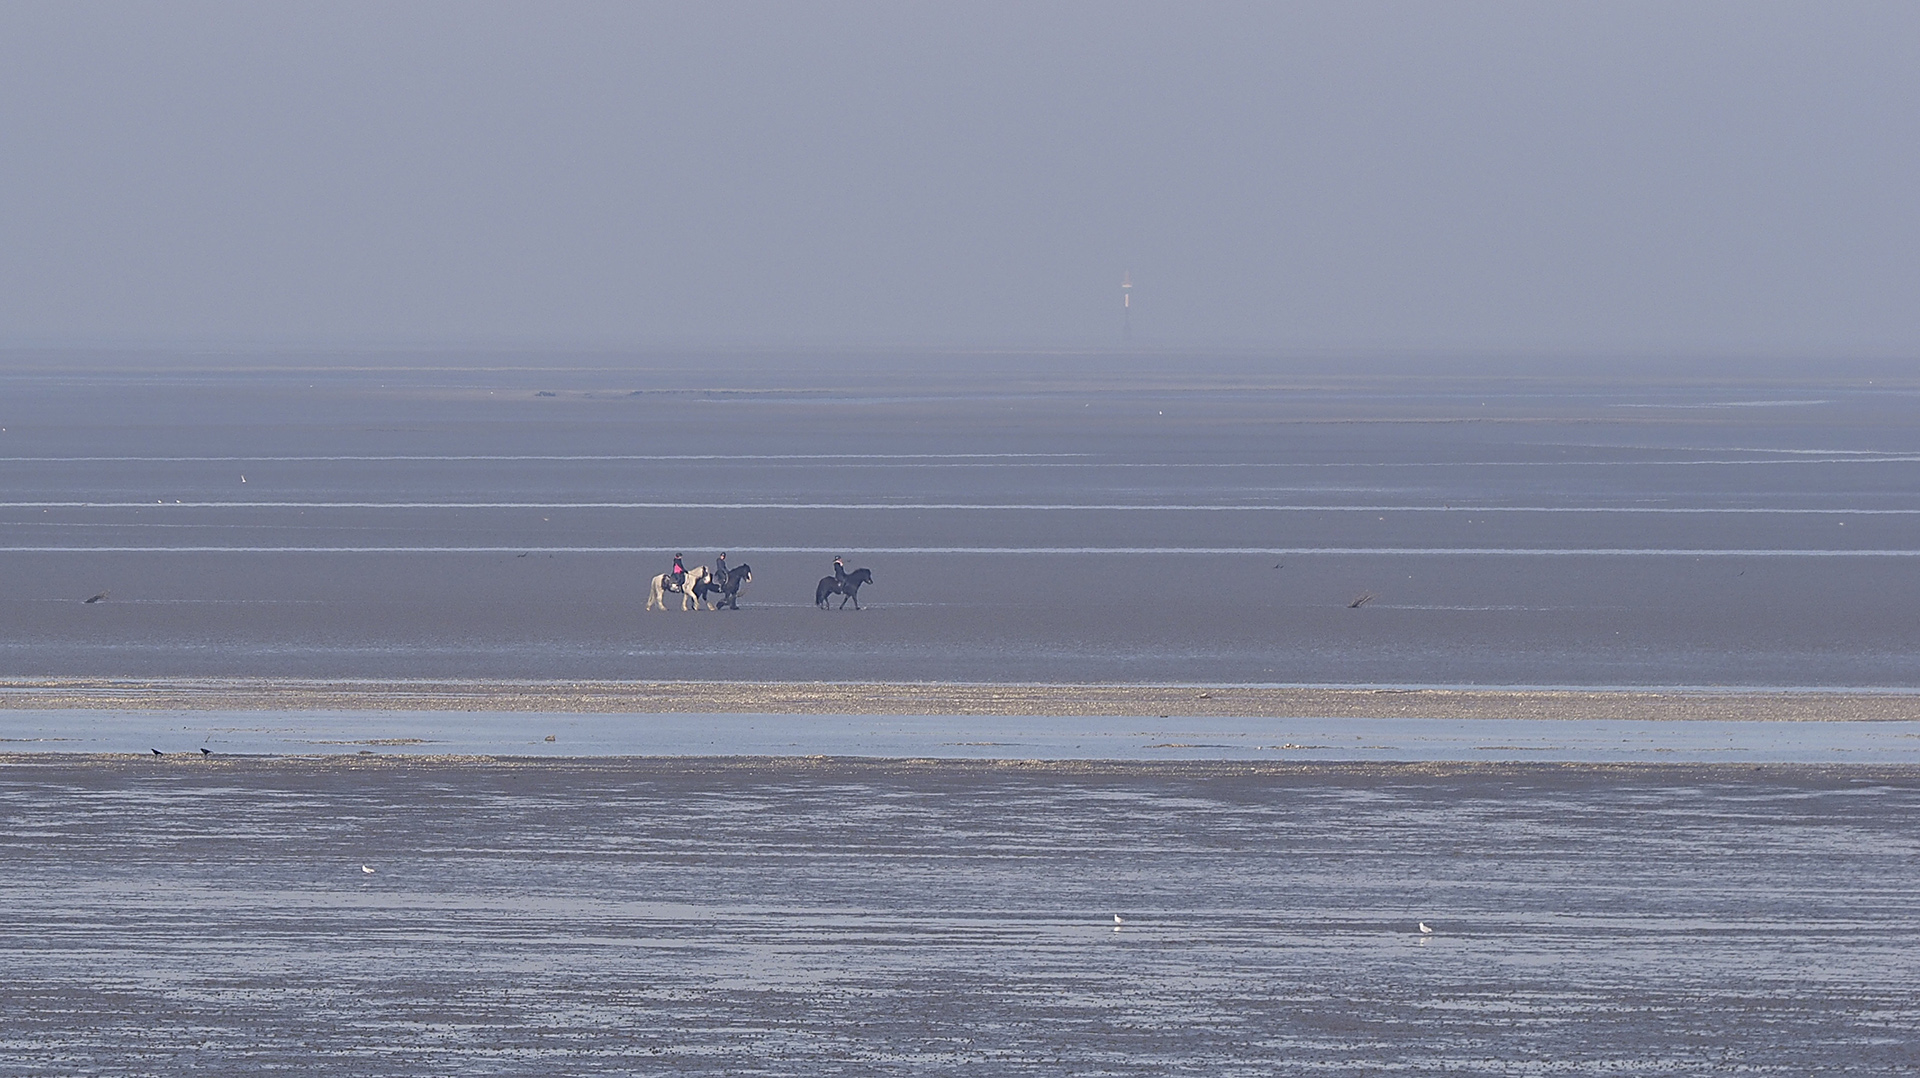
x,y
1126,306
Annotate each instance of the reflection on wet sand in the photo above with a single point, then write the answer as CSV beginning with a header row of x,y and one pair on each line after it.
x,y
809,916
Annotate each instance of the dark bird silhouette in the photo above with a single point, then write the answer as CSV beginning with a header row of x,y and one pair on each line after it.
x,y
206,752
96,598
157,752
1364,599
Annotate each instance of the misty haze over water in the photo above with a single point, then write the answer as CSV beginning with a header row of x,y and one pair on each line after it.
x,y
1572,179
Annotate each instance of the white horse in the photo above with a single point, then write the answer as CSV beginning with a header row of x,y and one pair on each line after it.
x,y
663,584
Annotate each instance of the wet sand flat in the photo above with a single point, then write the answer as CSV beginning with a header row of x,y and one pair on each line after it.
x,y
369,560
1027,519
814,916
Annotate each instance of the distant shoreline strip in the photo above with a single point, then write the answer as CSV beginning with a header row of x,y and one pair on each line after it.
x,y
654,550
969,460
1119,700
1115,507
544,456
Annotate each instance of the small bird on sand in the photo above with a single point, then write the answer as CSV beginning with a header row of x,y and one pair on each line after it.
x,y
95,598
1424,930
368,869
1117,922
157,752
204,751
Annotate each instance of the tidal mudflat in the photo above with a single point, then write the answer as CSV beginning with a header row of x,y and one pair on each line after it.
x,y
394,577
730,916
1035,518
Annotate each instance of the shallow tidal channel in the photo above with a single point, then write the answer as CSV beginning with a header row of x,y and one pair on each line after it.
x,y
425,915
229,732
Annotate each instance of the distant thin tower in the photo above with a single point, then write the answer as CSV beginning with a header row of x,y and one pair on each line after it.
x,y
1126,306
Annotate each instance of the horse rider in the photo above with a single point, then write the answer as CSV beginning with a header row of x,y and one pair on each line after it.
x,y
720,567
839,570
679,574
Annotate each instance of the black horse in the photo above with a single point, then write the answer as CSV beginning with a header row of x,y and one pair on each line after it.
x,y
848,586
728,589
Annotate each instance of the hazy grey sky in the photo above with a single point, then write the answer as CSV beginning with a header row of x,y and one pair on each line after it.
x,y
1704,177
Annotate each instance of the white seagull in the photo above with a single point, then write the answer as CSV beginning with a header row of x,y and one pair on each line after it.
x,y
368,869
1424,929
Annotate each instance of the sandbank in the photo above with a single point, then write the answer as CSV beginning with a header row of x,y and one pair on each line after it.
x,y
934,698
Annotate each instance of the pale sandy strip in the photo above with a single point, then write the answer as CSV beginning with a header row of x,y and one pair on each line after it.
x,y
814,698
342,767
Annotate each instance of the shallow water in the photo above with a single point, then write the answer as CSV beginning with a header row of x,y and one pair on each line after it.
x,y
713,917
1026,518
959,737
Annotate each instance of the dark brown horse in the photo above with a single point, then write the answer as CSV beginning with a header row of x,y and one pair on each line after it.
x,y
848,586
728,589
